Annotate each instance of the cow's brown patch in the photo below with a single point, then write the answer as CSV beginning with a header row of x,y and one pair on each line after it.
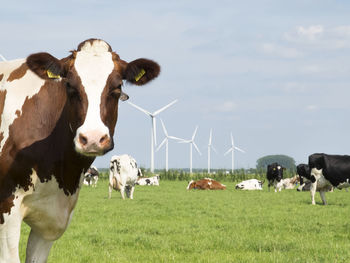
x,y
5,207
2,102
18,73
1,76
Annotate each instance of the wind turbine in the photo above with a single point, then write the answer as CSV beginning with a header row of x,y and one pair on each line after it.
x,y
153,127
2,57
209,148
232,150
191,142
166,142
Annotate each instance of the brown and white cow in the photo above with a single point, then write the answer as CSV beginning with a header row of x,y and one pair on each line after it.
x,y
56,116
206,184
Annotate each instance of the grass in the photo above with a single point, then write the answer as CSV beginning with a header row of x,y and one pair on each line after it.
x,y
169,224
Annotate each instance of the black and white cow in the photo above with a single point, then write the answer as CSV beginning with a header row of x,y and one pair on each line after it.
x,y
91,176
304,174
154,180
275,175
123,175
327,171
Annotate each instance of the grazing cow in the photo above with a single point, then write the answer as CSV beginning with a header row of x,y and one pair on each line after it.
x,y
327,171
123,175
91,176
56,116
274,176
206,184
154,180
304,173
252,184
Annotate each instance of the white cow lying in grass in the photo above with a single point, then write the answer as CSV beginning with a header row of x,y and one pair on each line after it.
x,y
154,180
252,184
123,174
287,183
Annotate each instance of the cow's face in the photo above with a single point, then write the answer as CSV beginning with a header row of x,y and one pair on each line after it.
x,y
191,185
93,76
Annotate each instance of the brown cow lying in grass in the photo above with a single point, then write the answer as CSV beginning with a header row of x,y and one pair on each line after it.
x,y
206,184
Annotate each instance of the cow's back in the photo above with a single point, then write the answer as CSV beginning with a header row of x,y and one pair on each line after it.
x,y
336,168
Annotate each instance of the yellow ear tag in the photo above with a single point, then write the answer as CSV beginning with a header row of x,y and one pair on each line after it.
x,y
142,72
51,75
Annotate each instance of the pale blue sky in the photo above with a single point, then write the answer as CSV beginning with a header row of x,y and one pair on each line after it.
x,y
275,73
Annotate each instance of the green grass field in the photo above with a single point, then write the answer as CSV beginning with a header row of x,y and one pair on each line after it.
x,y
169,224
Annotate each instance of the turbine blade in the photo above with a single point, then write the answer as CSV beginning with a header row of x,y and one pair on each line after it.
x,y
164,130
175,138
160,145
231,139
229,150
3,58
184,141
154,131
165,107
194,134
239,149
210,136
195,146
140,109
212,147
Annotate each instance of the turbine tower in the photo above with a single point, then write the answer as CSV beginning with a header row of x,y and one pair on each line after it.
x,y
232,150
209,149
2,57
166,142
191,142
153,127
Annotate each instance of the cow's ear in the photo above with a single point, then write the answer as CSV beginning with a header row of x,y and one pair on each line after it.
x,y
45,66
141,71
123,96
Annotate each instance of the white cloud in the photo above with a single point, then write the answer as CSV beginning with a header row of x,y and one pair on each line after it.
x,y
280,51
305,34
312,107
227,106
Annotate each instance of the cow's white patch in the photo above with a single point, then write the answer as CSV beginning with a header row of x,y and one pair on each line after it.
x,y
46,208
94,64
17,91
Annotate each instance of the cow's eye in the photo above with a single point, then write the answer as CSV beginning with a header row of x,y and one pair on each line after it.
x,y
72,92
115,91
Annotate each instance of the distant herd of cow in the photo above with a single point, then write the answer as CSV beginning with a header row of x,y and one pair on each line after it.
x,y
321,174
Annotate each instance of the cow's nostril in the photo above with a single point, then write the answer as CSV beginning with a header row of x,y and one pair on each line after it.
x,y
104,139
82,139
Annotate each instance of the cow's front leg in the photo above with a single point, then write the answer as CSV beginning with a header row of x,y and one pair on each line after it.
x,y
38,248
323,197
10,232
313,192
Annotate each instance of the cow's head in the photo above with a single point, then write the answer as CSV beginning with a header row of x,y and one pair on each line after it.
x,y
191,185
93,77
276,171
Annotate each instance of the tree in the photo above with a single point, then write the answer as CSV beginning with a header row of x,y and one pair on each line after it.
x,y
284,160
